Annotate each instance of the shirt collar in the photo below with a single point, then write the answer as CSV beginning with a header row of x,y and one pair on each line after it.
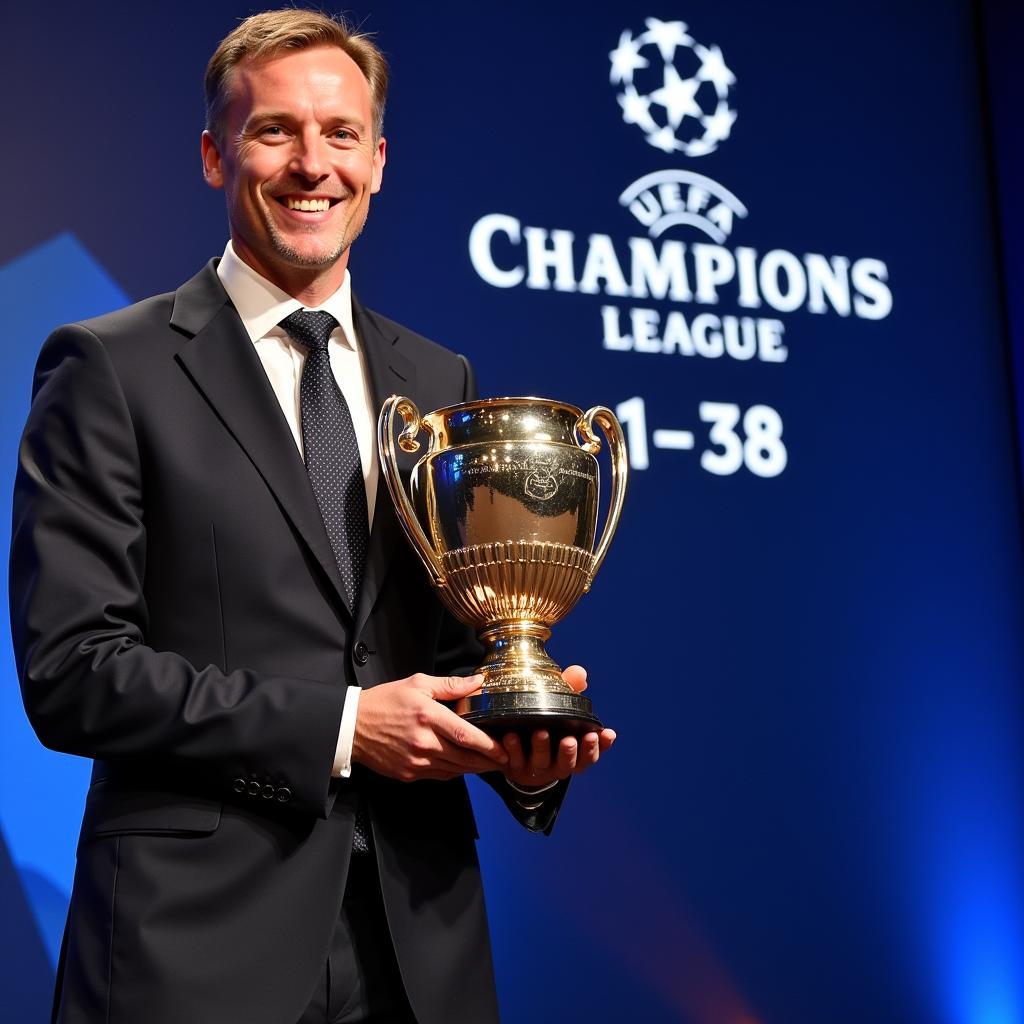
x,y
262,306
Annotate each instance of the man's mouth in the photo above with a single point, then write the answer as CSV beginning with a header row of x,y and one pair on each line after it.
x,y
314,205
309,205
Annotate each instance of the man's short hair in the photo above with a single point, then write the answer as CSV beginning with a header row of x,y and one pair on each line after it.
x,y
269,34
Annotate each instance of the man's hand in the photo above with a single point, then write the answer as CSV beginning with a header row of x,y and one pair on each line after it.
x,y
403,732
544,766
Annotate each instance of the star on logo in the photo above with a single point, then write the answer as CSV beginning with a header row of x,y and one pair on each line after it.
x,y
663,139
626,59
698,147
678,96
667,35
636,109
713,69
719,124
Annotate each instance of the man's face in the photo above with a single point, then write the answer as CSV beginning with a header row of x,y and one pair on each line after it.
x,y
298,162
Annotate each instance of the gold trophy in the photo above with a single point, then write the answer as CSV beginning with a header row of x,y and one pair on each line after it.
x,y
503,515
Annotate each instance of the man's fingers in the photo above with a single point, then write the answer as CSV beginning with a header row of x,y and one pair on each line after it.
x,y
606,739
540,752
576,677
567,753
516,758
452,687
449,725
464,761
445,757
590,751
463,734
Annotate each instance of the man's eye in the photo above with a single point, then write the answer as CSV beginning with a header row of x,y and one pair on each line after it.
x,y
274,130
343,133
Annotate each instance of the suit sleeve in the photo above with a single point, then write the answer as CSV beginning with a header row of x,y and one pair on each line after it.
x,y
90,683
459,653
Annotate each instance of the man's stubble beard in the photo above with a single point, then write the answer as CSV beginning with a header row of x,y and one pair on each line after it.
x,y
294,257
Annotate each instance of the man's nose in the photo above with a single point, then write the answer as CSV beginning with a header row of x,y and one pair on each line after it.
x,y
310,157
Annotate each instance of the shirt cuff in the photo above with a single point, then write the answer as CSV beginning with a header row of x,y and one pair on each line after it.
x,y
346,734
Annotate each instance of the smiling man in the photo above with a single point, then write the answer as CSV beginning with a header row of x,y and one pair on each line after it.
x,y
295,140
211,598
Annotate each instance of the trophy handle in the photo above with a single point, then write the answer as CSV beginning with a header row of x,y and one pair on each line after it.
x,y
605,419
405,408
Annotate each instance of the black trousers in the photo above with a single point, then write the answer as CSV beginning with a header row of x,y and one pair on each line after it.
x,y
360,983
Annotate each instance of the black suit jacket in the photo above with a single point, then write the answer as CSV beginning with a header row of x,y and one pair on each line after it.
x,y
178,616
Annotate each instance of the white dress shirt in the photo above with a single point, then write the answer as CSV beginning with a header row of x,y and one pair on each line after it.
x,y
262,306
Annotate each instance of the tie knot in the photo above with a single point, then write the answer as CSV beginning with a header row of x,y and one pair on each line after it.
x,y
310,327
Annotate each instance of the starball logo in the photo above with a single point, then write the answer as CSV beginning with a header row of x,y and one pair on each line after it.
x,y
677,94
695,103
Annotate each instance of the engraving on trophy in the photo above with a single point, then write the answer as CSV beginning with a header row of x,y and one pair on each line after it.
x,y
541,482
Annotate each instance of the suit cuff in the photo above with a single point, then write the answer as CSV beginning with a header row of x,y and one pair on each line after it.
x,y
346,734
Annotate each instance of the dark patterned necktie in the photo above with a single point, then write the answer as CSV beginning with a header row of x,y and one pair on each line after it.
x,y
335,471
331,450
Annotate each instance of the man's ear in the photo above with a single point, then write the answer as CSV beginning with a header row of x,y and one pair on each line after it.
x,y
212,170
379,159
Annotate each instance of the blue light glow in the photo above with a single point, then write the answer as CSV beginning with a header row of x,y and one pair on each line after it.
x,y
57,282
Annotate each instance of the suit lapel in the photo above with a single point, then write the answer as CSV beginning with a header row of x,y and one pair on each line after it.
x,y
222,362
390,373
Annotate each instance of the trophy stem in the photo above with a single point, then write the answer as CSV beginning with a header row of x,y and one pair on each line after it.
x,y
523,688
516,660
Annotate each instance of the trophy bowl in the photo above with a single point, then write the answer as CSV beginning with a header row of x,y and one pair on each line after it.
x,y
503,515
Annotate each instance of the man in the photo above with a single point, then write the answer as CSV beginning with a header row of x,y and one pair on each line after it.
x,y
212,599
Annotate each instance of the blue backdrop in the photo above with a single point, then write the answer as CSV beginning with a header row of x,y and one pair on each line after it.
x,y
767,234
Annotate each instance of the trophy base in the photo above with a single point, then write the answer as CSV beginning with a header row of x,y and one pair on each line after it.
x,y
560,714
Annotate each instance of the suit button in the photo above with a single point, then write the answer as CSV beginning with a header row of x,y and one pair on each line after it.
x,y
268,792
284,794
361,653
254,788
238,785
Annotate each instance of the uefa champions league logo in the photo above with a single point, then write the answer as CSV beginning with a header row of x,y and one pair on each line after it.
x,y
661,293
665,72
